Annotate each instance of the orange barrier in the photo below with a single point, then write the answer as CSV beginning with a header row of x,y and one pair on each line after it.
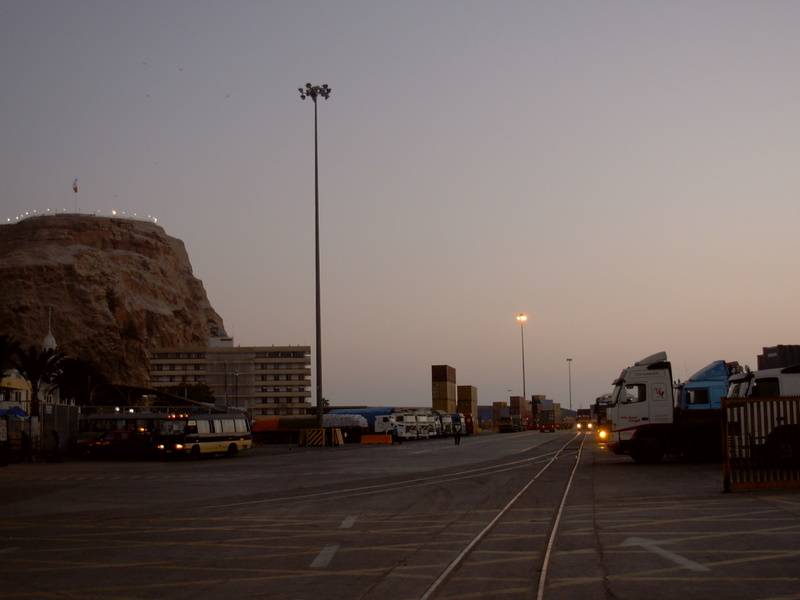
x,y
265,424
376,439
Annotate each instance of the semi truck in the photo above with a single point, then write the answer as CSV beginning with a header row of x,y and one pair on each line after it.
x,y
767,402
467,424
600,410
583,419
547,420
648,418
766,383
444,422
384,420
508,424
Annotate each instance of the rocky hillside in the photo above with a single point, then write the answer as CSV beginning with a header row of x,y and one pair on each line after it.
x,y
116,288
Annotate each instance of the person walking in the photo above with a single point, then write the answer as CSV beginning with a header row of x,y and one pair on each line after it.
x,y
457,434
56,455
396,435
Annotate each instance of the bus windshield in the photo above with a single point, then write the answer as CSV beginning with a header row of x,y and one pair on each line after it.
x,y
173,427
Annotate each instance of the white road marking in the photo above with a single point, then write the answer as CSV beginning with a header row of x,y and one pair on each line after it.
x,y
348,522
324,557
653,546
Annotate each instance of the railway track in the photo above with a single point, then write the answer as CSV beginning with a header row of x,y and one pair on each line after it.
x,y
538,582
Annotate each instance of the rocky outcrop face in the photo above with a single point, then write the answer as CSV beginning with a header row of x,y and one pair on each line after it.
x,y
114,288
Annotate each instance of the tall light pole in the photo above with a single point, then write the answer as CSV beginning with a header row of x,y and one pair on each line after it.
x,y
522,318
313,91
569,375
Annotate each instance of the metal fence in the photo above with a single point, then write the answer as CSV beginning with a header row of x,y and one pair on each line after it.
x,y
762,447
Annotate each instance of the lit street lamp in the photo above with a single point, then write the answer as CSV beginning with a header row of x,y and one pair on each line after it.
x,y
312,91
522,318
569,374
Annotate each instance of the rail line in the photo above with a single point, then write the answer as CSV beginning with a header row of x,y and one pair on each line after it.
x,y
475,542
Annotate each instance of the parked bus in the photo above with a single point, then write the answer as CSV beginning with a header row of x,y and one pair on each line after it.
x,y
94,425
203,434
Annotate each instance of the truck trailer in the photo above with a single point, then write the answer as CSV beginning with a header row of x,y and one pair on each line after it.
x,y
547,420
384,420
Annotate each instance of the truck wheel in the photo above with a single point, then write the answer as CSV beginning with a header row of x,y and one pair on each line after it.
x,y
233,450
783,446
195,453
647,450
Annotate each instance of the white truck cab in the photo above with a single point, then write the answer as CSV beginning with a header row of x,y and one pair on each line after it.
x,y
641,409
766,383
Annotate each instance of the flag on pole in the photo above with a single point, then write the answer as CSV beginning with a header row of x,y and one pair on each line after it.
x,y
75,186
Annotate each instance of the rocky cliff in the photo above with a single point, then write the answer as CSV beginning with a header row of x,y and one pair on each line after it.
x,y
116,287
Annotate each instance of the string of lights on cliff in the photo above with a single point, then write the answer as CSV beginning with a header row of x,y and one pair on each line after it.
x,y
113,214
97,213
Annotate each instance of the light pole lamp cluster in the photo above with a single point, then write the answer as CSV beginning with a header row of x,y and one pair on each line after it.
x,y
522,318
314,91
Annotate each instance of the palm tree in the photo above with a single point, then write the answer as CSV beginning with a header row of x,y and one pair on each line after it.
x,y
77,378
38,368
8,348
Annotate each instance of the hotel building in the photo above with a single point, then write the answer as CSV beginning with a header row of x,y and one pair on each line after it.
x,y
266,380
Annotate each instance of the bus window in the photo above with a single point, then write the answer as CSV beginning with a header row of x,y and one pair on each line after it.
x,y
172,427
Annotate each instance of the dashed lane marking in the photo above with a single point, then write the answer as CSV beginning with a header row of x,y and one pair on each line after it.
x,y
324,557
348,522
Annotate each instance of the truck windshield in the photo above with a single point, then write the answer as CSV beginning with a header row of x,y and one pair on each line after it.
x,y
619,392
739,386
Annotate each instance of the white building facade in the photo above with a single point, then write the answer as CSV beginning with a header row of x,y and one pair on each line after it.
x,y
266,380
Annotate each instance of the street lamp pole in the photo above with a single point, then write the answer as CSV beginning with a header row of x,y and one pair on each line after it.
x,y
522,318
312,91
569,374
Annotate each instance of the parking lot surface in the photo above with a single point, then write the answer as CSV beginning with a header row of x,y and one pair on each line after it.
x,y
381,522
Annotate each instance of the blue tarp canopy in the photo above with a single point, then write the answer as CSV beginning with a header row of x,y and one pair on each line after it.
x,y
14,411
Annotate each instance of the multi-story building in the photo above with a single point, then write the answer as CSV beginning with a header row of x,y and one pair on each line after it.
x,y
266,380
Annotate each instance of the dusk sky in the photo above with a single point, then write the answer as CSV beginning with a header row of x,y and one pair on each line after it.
x,y
625,173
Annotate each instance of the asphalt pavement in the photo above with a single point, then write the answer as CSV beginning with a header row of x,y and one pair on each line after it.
x,y
626,531
632,531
